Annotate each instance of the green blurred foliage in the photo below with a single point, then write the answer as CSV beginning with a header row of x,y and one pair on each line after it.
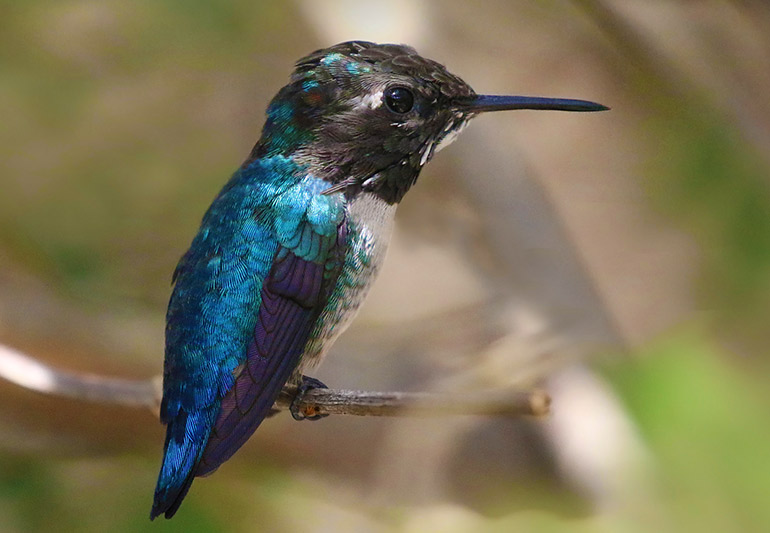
x,y
707,423
103,129
708,178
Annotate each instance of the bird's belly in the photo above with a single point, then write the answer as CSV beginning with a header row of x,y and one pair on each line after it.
x,y
370,223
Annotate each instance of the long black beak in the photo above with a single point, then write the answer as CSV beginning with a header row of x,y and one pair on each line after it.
x,y
484,103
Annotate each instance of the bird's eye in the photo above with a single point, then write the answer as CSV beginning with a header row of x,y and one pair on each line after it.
x,y
399,99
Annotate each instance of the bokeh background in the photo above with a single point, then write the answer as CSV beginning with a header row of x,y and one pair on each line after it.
x,y
620,260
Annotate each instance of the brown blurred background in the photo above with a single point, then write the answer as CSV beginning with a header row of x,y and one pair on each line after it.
x,y
621,260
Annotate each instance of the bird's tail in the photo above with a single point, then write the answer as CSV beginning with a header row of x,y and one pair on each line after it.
x,y
167,503
181,458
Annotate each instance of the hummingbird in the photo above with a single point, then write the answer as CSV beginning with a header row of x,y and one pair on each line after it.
x,y
287,251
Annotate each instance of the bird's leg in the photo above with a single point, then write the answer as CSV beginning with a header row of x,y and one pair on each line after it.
x,y
307,384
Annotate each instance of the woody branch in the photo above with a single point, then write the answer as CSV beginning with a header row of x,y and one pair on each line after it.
x,y
30,373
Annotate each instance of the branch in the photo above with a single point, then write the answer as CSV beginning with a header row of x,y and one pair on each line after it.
x,y
362,403
34,375
27,372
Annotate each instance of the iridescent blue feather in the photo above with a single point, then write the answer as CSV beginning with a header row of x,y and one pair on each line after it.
x,y
246,297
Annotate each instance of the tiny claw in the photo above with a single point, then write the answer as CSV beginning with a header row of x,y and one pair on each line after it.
x,y
298,413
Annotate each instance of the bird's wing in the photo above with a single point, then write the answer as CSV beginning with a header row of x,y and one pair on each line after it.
x,y
238,322
293,295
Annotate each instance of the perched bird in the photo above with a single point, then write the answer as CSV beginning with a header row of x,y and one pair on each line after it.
x,y
289,248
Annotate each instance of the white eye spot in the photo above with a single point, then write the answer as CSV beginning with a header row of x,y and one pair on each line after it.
x,y
372,101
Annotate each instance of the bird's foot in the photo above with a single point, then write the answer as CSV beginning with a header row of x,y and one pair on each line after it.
x,y
308,413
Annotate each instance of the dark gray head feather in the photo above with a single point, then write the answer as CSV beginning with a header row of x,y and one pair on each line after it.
x,y
332,116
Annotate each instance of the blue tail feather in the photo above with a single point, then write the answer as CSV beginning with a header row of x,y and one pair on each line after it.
x,y
181,457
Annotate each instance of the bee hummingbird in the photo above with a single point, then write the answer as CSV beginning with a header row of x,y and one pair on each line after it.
x,y
289,248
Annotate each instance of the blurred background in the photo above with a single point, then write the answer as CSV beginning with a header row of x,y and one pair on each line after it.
x,y
620,260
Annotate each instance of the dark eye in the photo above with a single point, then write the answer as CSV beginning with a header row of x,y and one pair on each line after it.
x,y
399,99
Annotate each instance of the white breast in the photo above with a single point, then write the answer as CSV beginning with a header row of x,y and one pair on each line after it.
x,y
370,223
372,220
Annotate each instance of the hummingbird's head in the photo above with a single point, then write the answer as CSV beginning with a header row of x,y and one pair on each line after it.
x,y
367,117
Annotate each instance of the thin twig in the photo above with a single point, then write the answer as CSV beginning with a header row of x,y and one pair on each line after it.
x,y
364,403
37,376
34,375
